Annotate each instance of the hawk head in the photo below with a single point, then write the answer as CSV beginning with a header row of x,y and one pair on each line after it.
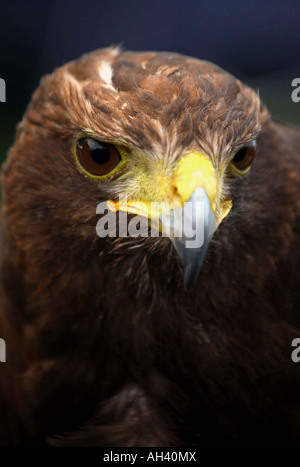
x,y
130,129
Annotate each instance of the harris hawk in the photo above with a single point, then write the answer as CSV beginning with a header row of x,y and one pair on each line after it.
x,y
142,341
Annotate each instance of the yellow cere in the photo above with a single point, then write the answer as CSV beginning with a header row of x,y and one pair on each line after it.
x,y
192,171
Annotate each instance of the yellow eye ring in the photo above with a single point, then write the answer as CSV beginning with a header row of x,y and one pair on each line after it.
x,y
97,159
243,158
241,173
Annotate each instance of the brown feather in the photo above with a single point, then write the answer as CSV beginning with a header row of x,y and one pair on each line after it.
x,y
105,347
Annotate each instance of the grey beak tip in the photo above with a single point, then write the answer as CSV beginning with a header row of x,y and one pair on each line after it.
x,y
192,268
193,258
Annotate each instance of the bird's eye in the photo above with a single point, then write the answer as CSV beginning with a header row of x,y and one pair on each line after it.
x,y
243,159
96,158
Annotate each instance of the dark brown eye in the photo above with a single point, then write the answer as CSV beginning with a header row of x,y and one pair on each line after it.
x,y
97,158
244,157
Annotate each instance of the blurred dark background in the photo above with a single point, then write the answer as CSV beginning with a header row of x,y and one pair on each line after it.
x,y
256,40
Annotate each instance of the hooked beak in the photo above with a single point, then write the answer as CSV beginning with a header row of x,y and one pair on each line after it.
x,y
197,214
194,210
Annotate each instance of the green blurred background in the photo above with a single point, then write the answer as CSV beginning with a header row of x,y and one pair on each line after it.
x,y
257,41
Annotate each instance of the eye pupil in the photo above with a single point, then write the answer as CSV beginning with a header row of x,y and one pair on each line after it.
x,y
96,158
100,154
240,154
